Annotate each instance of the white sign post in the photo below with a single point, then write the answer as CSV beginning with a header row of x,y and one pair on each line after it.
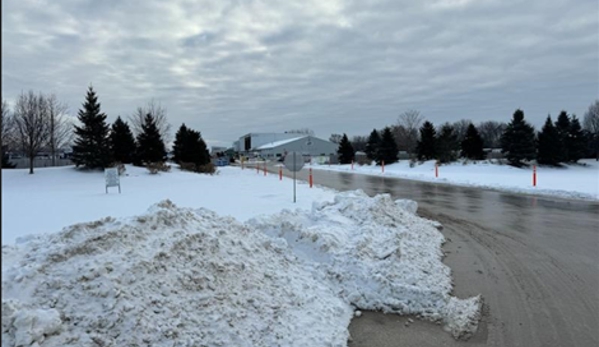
x,y
294,162
112,178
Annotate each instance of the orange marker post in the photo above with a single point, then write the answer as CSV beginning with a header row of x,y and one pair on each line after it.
x,y
280,173
436,170
534,175
311,179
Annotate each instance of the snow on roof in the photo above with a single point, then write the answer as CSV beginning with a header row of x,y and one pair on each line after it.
x,y
279,143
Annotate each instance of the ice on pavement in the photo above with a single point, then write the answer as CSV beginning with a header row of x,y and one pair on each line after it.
x,y
182,277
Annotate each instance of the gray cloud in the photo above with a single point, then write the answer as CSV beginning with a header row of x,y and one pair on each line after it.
x,y
230,67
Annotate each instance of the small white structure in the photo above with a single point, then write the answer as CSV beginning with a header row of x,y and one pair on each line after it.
x,y
112,178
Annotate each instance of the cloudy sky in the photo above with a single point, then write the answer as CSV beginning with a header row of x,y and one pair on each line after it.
x,y
228,68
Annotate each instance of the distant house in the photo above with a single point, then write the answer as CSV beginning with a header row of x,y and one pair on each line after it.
x,y
307,145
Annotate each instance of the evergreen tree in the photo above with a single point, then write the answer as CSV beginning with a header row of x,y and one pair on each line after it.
x,y
472,145
549,144
345,151
122,143
195,149
179,145
189,147
577,141
518,140
150,148
372,146
562,126
447,144
426,148
92,144
388,148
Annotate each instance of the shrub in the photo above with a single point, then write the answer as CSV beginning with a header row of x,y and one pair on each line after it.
x,y
209,168
187,167
120,167
155,167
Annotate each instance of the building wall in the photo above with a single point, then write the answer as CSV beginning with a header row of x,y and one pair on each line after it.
x,y
308,145
259,139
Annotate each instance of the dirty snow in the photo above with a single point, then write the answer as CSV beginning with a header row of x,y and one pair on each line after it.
x,y
183,276
579,181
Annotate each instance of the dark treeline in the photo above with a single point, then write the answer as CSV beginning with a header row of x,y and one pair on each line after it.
x,y
564,141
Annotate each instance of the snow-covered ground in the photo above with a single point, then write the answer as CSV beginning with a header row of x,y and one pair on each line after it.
x,y
580,181
178,274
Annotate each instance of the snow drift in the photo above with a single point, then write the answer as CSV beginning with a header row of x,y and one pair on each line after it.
x,y
182,277
378,255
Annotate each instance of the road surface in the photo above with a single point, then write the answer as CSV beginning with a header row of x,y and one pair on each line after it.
x,y
535,261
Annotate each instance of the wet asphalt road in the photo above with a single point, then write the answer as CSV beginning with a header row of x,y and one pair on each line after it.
x,y
535,260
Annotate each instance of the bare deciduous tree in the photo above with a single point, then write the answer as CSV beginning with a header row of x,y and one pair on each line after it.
x,y
406,130
158,113
60,128
591,125
460,128
335,138
490,132
359,143
31,121
303,131
6,127
591,118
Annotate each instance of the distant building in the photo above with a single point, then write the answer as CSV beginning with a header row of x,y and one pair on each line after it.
x,y
217,149
248,143
306,145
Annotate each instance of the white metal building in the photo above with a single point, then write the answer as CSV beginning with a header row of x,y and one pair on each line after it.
x,y
247,144
307,145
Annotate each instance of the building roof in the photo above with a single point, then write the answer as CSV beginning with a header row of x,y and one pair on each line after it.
x,y
279,143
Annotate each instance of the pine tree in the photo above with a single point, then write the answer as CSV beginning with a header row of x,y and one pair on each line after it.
x,y
426,148
388,148
549,144
562,126
518,140
92,143
122,143
195,149
150,148
345,151
372,146
472,145
447,144
179,145
577,141
189,147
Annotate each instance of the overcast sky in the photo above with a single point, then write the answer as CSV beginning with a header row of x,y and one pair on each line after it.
x,y
227,68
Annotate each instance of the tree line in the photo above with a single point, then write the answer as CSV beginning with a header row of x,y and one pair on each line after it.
x,y
564,141
39,122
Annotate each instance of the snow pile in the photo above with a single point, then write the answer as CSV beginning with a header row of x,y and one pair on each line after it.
x,y
171,277
183,277
378,255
